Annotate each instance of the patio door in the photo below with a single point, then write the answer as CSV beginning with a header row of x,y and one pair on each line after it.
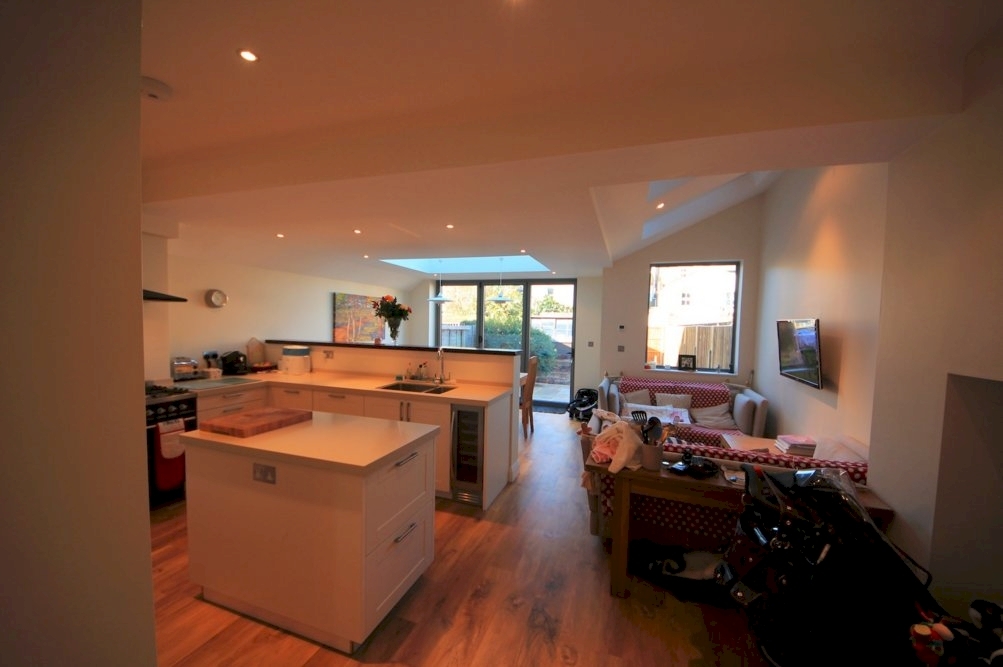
x,y
537,317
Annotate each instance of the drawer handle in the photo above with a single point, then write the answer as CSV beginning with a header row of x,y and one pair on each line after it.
x,y
233,395
407,460
336,396
410,529
236,408
291,391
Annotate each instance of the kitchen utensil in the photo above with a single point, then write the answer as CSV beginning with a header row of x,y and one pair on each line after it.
x,y
211,359
184,368
255,352
639,417
234,363
253,422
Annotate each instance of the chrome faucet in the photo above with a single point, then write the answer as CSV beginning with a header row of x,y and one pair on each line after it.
x,y
440,354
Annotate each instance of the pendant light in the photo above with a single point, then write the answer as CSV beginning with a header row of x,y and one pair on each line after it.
x,y
439,298
499,297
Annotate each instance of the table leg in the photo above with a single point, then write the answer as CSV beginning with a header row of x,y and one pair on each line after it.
x,y
620,533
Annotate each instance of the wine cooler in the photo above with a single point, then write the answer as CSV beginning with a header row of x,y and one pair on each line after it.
x,y
466,463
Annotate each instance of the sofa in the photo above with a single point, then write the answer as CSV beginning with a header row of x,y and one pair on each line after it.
x,y
674,522
727,408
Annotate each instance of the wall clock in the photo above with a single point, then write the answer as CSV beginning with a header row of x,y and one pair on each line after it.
x,y
215,298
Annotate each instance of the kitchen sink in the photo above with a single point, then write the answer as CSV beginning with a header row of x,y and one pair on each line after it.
x,y
417,387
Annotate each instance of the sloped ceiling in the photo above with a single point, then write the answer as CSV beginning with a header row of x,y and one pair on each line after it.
x,y
536,125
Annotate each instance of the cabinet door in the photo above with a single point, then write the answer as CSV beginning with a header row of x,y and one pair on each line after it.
x,y
334,400
437,414
385,408
290,397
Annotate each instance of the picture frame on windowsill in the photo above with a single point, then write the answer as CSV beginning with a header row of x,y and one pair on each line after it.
x,y
687,362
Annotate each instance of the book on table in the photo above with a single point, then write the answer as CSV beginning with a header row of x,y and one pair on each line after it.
x,y
801,445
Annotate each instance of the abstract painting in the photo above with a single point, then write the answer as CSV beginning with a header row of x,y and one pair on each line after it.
x,y
354,321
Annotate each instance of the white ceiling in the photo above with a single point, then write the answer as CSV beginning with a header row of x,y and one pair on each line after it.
x,y
550,126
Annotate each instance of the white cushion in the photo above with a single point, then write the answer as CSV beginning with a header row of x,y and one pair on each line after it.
x,y
639,396
744,413
716,416
665,413
675,400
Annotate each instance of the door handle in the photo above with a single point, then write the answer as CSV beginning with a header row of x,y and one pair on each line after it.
x,y
403,536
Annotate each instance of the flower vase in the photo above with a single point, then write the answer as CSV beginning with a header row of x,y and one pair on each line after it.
x,y
395,327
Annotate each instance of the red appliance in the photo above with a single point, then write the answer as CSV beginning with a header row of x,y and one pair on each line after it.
x,y
170,411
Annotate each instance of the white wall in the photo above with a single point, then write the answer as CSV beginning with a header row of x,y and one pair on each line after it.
x,y
156,314
263,304
75,524
823,241
588,327
730,235
942,313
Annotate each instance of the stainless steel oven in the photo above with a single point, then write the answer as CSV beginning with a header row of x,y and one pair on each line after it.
x,y
170,411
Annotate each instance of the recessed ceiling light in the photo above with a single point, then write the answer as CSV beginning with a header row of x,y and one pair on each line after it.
x,y
249,56
280,236
365,257
660,205
523,251
357,231
449,226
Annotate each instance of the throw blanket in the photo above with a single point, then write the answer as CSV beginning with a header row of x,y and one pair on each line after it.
x,y
619,445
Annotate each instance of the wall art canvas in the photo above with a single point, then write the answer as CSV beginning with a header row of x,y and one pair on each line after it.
x,y
354,321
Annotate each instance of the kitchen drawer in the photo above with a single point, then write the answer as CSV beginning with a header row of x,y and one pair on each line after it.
x,y
231,409
397,562
396,489
296,398
231,397
335,400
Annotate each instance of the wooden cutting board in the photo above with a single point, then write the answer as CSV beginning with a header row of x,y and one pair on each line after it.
x,y
253,422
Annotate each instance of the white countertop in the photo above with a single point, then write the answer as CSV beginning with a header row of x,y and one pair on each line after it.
x,y
329,440
465,393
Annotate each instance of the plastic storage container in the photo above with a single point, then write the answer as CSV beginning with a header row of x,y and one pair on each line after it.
x,y
295,359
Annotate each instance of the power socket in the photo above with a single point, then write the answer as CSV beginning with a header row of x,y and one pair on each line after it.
x,y
263,473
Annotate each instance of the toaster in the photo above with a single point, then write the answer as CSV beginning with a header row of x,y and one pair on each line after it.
x,y
234,363
183,368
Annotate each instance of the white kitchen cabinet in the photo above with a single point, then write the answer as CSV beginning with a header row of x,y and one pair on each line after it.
x,y
296,398
216,404
436,413
328,538
340,402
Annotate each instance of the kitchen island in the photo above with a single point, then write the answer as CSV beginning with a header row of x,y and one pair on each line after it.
x,y
318,528
363,394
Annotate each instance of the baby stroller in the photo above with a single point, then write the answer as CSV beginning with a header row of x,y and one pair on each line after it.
x,y
585,402
822,586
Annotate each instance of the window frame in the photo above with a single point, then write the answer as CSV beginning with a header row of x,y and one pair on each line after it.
x,y
656,296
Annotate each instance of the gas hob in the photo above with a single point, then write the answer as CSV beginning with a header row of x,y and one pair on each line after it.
x,y
160,394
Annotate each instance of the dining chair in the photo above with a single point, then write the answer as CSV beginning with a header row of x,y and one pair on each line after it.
x,y
526,397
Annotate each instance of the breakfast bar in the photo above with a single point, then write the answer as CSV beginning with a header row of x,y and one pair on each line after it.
x,y
318,527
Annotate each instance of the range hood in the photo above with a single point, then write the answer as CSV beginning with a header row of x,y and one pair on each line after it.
x,y
150,295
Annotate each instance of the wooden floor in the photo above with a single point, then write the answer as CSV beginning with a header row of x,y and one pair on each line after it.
x,y
521,584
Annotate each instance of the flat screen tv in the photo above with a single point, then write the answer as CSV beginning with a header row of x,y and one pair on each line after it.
x,y
800,350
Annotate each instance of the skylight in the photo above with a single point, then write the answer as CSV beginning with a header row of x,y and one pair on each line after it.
x,y
443,265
